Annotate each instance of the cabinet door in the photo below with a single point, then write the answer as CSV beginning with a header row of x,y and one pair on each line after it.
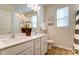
x,y
43,45
37,51
37,46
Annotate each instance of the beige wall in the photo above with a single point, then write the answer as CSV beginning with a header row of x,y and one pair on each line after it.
x,y
7,7
6,11
63,37
41,16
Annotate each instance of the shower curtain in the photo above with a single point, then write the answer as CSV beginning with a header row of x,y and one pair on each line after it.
x,y
76,35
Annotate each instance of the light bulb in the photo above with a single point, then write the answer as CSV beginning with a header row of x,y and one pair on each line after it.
x,y
34,7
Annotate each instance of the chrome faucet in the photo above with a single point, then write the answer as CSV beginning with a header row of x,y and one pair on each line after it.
x,y
13,36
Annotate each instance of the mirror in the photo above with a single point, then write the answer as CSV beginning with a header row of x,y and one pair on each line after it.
x,y
10,23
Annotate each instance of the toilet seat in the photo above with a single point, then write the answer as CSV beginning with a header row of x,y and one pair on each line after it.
x,y
50,41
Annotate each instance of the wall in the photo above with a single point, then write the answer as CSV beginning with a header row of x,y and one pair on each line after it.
x,y
41,16
63,37
6,11
7,7
5,22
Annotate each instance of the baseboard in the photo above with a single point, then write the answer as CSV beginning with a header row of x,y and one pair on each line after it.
x,y
62,47
74,53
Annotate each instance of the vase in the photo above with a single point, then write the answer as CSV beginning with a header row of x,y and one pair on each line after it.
x,y
28,32
23,30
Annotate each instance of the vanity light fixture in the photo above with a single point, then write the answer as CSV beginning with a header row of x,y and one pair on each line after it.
x,y
34,7
20,15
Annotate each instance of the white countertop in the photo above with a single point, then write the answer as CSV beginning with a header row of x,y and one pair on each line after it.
x,y
6,41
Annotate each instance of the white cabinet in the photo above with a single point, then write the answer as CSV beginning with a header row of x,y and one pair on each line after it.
x,y
37,46
18,48
43,45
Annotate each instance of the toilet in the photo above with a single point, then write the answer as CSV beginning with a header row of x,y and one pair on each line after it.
x,y
50,42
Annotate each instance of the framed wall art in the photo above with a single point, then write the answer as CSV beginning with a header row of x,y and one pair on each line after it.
x,y
51,21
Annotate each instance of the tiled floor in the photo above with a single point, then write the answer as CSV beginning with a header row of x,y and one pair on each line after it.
x,y
58,51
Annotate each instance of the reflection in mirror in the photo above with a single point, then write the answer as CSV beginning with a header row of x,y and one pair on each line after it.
x,y
26,14
5,22
12,18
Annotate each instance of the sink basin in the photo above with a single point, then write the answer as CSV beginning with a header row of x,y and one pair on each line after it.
x,y
10,40
15,38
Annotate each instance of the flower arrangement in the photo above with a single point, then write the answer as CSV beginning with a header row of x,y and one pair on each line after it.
x,y
26,27
25,23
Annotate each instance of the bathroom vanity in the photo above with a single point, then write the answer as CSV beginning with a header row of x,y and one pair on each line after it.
x,y
24,45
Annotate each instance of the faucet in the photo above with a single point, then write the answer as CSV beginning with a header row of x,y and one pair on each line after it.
x,y
13,36
35,33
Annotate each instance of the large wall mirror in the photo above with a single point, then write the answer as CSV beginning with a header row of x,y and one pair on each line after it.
x,y
10,23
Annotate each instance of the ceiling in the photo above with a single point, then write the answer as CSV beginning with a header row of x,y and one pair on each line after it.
x,y
23,8
17,7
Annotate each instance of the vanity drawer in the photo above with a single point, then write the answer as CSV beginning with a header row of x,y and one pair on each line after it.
x,y
16,49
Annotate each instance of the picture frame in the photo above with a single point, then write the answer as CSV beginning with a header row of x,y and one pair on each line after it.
x,y
50,21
